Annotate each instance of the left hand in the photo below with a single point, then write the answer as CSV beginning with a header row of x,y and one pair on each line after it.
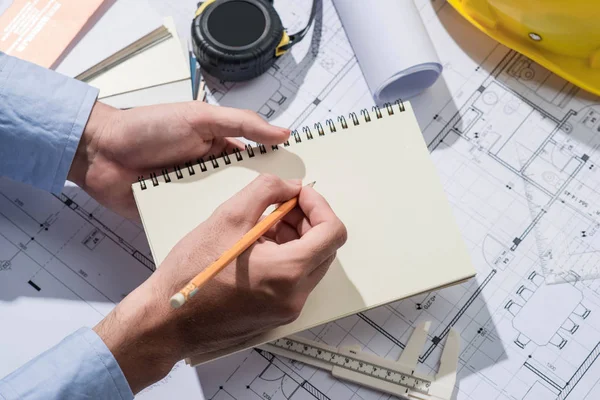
x,y
118,146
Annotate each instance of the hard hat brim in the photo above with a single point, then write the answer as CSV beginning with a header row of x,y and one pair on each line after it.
x,y
575,70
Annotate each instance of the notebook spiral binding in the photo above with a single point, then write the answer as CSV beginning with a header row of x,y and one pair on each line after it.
x,y
251,152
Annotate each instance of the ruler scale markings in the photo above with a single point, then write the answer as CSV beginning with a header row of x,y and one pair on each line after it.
x,y
398,378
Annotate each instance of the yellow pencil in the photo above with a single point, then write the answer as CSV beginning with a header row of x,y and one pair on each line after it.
x,y
242,245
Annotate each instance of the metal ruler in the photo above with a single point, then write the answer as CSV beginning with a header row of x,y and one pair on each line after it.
x,y
395,377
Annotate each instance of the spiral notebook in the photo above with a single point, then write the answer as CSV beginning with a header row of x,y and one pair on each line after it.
x,y
374,169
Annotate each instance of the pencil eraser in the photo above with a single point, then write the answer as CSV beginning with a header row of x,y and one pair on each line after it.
x,y
177,300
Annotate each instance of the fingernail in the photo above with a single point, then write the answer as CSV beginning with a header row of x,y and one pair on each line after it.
x,y
285,131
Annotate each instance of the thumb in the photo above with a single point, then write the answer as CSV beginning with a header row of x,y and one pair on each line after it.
x,y
244,209
232,122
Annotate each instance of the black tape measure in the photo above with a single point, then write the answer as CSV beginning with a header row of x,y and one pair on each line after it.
x,y
237,40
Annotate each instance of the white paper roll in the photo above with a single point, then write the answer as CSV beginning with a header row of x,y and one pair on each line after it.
x,y
393,48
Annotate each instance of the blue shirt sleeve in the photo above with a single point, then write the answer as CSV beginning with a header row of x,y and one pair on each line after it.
x,y
79,367
42,117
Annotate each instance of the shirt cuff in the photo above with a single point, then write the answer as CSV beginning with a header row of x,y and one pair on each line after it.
x,y
42,118
81,366
88,99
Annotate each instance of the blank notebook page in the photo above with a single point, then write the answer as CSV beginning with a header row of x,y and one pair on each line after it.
x,y
378,178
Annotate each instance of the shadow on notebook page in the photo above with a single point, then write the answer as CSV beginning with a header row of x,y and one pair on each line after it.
x,y
294,166
346,296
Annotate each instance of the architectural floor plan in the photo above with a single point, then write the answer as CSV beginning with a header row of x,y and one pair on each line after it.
x,y
517,150
516,147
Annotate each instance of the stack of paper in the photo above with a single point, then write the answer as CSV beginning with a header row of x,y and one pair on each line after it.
x,y
124,23
159,74
133,56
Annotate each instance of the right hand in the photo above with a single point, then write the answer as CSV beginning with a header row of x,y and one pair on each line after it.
x,y
265,287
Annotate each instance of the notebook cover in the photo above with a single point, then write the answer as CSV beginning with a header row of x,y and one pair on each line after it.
x,y
377,177
40,31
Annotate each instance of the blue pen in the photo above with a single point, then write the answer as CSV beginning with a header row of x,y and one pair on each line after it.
x,y
197,80
193,72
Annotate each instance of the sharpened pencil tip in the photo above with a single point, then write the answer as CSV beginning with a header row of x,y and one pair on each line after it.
x,y
311,184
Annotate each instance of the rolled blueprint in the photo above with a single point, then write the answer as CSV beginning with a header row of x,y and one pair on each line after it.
x,y
393,49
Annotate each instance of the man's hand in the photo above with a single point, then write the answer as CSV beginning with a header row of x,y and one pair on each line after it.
x,y
265,287
117,146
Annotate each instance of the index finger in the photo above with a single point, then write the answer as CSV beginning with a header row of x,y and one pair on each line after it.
x,y
326,234
232,122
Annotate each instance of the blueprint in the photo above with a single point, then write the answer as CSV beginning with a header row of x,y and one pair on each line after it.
x,y
65,262
516,148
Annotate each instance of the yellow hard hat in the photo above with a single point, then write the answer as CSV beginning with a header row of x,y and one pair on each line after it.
x,y
561,35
